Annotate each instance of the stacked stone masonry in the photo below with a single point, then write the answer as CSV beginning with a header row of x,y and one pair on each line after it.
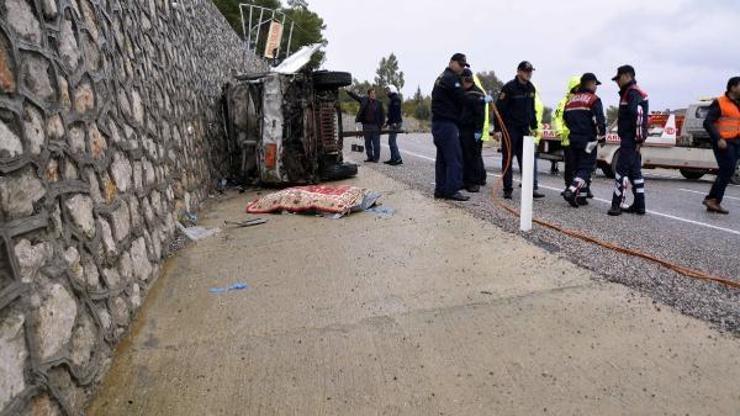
x,y
110,128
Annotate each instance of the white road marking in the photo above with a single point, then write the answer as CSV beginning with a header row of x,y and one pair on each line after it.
x,y
658,214
704,193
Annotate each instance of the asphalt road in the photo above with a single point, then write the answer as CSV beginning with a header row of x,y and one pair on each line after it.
x,y
677,228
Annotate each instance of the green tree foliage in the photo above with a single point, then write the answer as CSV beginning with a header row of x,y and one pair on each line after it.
x,y
419,106
308,30
491,83
423,109
611,115
230,10
388,73
547,115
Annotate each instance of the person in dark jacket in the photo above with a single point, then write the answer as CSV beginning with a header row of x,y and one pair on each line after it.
x,y
632,127
448,97
723,125
372,117
472,120
516,106
584,117
394,123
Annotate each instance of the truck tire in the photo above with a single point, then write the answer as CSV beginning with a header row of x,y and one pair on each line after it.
x,y
607,170
611,170
338,172
693,174
328,79
735,179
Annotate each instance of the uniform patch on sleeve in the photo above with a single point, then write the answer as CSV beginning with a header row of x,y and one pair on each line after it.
x,y
502,96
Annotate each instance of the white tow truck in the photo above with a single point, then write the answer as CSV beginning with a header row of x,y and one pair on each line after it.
x,y
674,142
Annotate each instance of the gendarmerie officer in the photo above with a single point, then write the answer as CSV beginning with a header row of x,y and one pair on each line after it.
x,y
447,102
584,117
516,105
632,127
471,132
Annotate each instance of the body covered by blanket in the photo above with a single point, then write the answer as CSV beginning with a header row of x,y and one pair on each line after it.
x,y
341,199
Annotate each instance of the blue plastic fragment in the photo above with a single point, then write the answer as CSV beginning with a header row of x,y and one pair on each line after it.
x,y
239,286
235,286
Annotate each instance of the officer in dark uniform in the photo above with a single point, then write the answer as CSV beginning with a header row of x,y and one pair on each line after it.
x,y
632,125
516,106
448,98
471,132
584,116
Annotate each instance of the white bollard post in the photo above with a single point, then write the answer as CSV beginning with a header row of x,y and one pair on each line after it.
x,y
525,212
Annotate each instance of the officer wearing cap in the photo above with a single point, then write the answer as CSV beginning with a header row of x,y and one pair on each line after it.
x,y
448,98
584,118
472,122
516,105
632,127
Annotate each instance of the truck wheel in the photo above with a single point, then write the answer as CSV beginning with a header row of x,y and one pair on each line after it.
x,y
735,179
329,80
338,172
608,172
612,168
693,174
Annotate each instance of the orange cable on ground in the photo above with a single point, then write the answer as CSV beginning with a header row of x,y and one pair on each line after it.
x,y
695,274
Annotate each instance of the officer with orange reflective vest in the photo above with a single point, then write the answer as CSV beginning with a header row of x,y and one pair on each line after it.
x,y
584,117
632,127
723,125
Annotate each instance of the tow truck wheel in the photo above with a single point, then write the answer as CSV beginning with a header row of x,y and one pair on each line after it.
x,y
610,170
693,174
735,179
331,79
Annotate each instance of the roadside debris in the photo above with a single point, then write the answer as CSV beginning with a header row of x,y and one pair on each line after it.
x,y
331,200
197,233
189,219
381,211
246,223
235,286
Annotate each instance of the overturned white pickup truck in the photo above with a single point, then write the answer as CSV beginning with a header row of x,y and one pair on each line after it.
x,y
286,124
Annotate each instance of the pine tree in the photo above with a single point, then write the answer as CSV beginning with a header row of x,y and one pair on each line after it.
x,y
388,73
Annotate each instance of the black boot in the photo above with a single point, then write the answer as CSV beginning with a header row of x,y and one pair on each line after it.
x,y
570,197
637,207
616,209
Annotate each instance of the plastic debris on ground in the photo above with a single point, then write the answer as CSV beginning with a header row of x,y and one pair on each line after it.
x,y
189,219
246,223
381,211
235,286
197,233
333,201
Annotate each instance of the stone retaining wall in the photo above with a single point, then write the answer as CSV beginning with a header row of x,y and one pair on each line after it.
x,y
111,126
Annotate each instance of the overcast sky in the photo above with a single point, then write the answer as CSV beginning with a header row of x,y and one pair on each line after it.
x,y
681,49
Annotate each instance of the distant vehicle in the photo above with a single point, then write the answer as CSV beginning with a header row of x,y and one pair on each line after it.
x,y
674,142
286,125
